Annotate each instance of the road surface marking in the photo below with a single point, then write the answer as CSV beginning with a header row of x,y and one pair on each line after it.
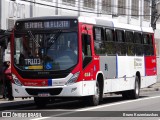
x,y
40,118
113,104
97,107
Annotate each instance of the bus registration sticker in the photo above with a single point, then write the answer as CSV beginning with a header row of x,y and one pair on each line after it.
x,y
43,94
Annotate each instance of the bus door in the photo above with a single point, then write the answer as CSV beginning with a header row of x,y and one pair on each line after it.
x,y
86,48
90,65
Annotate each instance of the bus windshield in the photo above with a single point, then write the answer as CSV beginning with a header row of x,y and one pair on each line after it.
x,y
51,51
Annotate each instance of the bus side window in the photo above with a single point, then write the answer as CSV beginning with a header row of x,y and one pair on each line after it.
x,y
129,43
145,43
109,42
139,49
99,45
86,49
120,35
120,43
129,36
109,35
145,39
150,42
137,38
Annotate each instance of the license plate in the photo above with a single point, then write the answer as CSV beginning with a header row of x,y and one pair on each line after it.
x,y
43,94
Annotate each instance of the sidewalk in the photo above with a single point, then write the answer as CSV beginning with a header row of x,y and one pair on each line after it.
x,y
19,102
155,87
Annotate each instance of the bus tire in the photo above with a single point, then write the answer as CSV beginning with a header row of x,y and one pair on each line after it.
x,y
134,94
40,102
95,99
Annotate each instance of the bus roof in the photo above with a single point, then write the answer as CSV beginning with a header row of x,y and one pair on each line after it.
x,y
133,27
96,21
47,18
147,29
99,21
127,26
89,20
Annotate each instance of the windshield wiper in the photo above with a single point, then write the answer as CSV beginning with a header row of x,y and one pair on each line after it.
x,y
52,39
33,38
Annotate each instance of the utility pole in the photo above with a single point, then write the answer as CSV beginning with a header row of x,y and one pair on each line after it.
x,y
56,10
141,13
0,13
31,9
98,14
154,14
79,7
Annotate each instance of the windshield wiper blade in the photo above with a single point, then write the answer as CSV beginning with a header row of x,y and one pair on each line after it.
x,y
33,38
52,39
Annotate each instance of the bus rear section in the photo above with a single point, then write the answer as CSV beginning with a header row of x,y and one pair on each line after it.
x,y
78,57
127,57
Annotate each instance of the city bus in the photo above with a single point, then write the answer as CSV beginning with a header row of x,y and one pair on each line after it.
x,y
80,57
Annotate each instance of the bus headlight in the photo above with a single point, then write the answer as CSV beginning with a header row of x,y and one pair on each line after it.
x,y
16,80
73,79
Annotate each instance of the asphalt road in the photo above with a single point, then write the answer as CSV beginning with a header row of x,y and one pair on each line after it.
x,y
112,108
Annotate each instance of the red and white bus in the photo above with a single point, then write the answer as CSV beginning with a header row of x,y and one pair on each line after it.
x,y
80,57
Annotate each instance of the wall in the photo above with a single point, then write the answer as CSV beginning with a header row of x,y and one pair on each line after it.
x,y
12,10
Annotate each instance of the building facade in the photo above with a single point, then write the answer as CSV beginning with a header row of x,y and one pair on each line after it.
x,y
135,12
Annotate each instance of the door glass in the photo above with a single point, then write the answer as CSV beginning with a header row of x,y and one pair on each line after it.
x,y
86,49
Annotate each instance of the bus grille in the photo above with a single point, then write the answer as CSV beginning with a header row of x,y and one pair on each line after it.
x,y
51,91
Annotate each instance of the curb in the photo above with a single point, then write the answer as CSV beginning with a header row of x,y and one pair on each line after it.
x,y
155,87
150,89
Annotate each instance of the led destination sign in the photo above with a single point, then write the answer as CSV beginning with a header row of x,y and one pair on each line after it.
x,y
47,24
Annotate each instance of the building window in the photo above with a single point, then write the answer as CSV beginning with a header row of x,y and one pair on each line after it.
x,y
89,4
121,7
146,9
48,0
106,6
135,8
69,2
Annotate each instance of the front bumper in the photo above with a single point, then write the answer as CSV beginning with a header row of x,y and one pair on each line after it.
x,y
82,88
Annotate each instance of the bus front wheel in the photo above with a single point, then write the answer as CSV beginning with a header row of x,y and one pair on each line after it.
x,y
95,99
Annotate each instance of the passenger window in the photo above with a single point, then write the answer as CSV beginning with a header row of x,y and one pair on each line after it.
x,y
120,44
150,42
98,34
129,43
109,35
129,37
137,37
99,45
145,39
120,35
